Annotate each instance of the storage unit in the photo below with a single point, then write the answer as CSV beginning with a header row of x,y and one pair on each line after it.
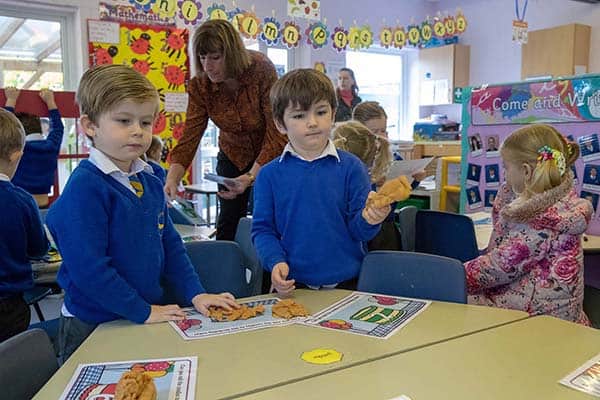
x,y
442,69
560,51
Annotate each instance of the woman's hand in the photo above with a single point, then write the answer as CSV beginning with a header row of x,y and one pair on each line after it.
x,y
176,172
236,186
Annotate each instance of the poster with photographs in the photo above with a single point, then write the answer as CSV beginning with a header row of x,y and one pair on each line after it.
x,y
592,198
488,199
589,146
473,174
474,198
491,113
591,179
492,146
492,175
475,145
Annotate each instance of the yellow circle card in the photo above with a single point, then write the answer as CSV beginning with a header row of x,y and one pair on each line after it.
x,y
322,356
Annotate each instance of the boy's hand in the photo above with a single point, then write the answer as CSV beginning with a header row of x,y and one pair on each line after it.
x,y
48,96
375,216
171,312
278,278
419,175
11,93
225,300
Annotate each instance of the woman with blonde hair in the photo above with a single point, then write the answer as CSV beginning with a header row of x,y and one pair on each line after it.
x,y
231,88
534,260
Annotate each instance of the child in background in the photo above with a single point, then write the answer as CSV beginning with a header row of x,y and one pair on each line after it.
x,y
21,232
111,224
38,166
373,116
310,217
153,158
374,152
534,261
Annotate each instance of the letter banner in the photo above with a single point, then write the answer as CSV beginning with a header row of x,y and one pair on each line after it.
x,y
565,100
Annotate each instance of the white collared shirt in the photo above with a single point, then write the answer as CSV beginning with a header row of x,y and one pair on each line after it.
x,y
4,177
329,150
108,167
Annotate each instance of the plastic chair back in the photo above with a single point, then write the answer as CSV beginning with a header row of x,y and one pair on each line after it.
x,y
219,265
28,362
406,226
409,274
243,237
445,234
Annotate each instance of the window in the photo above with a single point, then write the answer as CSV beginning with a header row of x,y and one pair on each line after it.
x,y
382,77
34,47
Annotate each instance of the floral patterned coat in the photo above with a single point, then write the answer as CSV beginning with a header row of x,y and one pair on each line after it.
x,y
535,260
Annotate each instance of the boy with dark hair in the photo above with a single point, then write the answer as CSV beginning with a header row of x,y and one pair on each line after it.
x,y
310,219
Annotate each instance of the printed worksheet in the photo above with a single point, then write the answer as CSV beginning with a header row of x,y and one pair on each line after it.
x,y
197,326
373,315
407,167
175,378
586,378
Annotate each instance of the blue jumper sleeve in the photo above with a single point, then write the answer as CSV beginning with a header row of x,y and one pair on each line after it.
x,y
265,236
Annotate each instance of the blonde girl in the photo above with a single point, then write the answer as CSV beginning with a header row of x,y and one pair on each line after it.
x,y
374,151
534,260
373,116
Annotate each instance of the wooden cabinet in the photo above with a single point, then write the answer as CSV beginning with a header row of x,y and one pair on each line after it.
x,y
560,51
441,70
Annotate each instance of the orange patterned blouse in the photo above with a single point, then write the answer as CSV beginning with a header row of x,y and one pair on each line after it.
x,y
245,120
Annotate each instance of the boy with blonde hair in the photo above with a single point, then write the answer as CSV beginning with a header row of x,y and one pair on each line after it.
x,y
310,218
21,232
111,224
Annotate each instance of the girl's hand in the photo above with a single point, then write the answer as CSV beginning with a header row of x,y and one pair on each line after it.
x,y
419,175
224,300
171,312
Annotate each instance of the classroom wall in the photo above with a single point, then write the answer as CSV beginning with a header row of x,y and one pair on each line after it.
x,y
495,58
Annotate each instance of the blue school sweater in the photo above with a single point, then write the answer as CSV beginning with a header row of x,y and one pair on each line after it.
x,y
35,172
21,236
118,250
308,214
158,171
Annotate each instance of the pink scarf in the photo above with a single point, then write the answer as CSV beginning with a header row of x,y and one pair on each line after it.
x,y
347,96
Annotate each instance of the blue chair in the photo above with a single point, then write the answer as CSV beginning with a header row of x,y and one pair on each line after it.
x,y
406,225
445,234
243,237
34,295
219,265
28,362
417,275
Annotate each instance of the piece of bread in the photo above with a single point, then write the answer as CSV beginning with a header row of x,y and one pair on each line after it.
x,y
288,308
218,314
396,189
135,385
